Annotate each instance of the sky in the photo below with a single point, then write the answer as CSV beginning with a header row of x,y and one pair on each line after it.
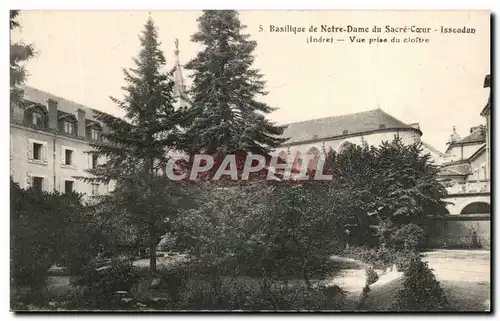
x,y
439,84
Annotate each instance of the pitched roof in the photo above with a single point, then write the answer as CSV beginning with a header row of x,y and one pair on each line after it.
x,y
329,127
63,105
431,148
487,109
477,136
477,153
455,169
452,172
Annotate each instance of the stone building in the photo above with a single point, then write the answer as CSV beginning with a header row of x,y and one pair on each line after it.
x,y
48,139
369,127
49,136
486,113
466,164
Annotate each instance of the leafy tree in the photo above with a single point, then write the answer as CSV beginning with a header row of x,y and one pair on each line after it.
x,y
409,181
257,229
393,181
218,228
137,147
226,116
19,54
302,228
401,237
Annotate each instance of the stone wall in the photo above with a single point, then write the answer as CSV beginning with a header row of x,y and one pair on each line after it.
x,y
457,231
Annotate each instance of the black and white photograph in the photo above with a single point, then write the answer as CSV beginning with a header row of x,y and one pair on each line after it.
x,y
250,161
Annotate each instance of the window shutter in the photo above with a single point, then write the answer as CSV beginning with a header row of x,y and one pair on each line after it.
x,y
63,151
28,179
30,149
76,157
44,152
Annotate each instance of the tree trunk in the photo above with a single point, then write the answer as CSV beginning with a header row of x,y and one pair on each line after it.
x,y
304,272
152,249
151,219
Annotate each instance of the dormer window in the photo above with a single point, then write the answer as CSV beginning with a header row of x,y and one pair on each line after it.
x,y
94,133
35,116
93,130
67,123
37,119
68,127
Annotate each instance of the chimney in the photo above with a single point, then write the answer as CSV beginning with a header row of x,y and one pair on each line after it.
x,y
81,123
473,129
52,107
16,113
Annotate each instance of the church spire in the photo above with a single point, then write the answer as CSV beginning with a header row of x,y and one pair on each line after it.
x,y
180,87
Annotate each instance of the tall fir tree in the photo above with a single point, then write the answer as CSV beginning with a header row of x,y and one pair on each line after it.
x,y
19,54
226,116
136,147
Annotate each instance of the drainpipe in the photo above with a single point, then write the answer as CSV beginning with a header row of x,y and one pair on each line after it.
x,y
54,160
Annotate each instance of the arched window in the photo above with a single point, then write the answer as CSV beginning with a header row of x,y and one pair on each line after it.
x,y
345,146
476,208
313,163
297,163
313,151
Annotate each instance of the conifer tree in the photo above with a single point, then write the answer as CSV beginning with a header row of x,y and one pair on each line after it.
x,y
136,147
226,116
19,54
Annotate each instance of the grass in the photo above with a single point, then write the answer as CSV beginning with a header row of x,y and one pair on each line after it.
x,y
467,296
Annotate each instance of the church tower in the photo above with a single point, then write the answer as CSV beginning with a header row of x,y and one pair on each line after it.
x,y
180,86
454,137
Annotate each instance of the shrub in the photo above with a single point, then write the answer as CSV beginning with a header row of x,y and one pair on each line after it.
x,y
363,298
298,297
404,259
42,227
421,291
249,295
100,285
371,276
174,280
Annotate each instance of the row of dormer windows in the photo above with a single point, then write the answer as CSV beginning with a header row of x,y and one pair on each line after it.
x,y
68,125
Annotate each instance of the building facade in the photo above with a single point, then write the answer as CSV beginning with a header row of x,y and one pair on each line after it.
x,y
336,133
466,165
50,135
49,138
370,127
